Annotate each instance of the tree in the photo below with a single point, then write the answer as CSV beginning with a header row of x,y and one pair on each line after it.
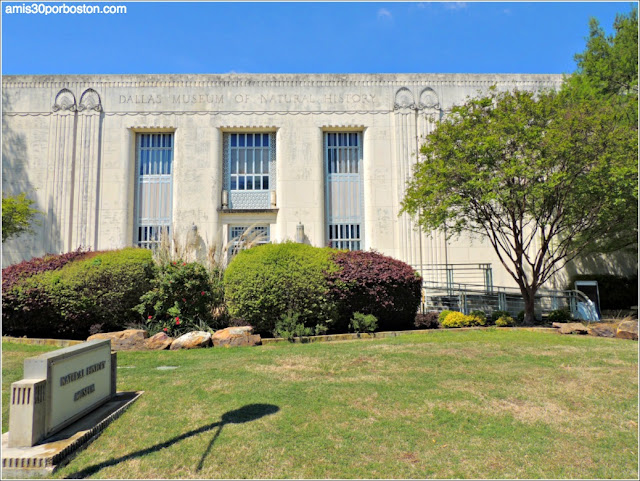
x,y
535,174
607,71
608,68
17,215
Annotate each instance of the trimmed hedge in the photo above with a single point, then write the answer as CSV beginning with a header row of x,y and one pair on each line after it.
x,y
49,262
371,283
99,290
269,282
323,287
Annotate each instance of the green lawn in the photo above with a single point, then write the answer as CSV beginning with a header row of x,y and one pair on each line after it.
x,y
443,404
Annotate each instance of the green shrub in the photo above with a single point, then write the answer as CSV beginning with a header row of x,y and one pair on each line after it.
x,y
505,321
443,315
520,317
182,299
480,315
495,315
99,290
476,320
363,322
265,283
289,327
559,315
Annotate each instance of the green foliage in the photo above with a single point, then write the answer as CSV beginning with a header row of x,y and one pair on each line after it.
x,y
363,322
607,74
608,68
480,315
505,321
458,319
495,315
560,315
443,315
556,167
99,290
182,298
520,317
289,327
266,282
17,215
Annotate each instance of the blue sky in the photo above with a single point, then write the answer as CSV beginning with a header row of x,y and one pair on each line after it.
x,y
303,37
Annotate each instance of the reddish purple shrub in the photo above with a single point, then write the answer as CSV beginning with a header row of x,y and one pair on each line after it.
x,y
97,288
48,262
371,283
427,320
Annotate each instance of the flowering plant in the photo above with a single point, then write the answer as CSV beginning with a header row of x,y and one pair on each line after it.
x,y
181,300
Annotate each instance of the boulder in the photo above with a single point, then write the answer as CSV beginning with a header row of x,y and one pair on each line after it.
x,y
236,336
628,330
127,340
570,328
158,342
603,330
192,340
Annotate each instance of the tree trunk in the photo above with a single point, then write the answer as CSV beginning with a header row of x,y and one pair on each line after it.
x,y
529,296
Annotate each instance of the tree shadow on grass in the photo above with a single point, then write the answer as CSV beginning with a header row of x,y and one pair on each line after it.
x,y
245,414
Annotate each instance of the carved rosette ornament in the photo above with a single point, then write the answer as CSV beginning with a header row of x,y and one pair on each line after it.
x,y
429,99
404,99
90,100
65,100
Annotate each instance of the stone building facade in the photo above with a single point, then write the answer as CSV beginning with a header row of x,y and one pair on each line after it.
x,y
112,160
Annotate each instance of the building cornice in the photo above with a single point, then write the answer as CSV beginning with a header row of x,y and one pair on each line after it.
x,y
280,80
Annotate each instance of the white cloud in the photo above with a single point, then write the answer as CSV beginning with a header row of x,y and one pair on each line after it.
x,y
455,5
383,13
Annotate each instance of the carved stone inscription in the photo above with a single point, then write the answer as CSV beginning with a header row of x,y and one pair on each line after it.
x,y
202,98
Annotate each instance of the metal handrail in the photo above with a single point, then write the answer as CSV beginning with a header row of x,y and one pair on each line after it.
x,y
466,296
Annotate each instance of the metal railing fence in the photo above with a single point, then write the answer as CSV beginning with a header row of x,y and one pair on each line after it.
x,y
468,297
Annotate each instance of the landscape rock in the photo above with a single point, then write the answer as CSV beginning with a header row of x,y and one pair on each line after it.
x,y
628,330
236,336
604,330
158,342
127,340
192,340
570,328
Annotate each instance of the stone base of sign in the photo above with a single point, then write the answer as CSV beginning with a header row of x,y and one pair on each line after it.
x,y
55,451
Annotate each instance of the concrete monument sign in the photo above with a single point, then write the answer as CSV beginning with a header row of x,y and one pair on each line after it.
x,y
59,388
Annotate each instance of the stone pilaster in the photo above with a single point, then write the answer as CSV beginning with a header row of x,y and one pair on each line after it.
x,y
60,172
84,224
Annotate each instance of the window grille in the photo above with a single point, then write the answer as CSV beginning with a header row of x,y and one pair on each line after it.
x,y
242,237
249,156
154,167
344,192
344,236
